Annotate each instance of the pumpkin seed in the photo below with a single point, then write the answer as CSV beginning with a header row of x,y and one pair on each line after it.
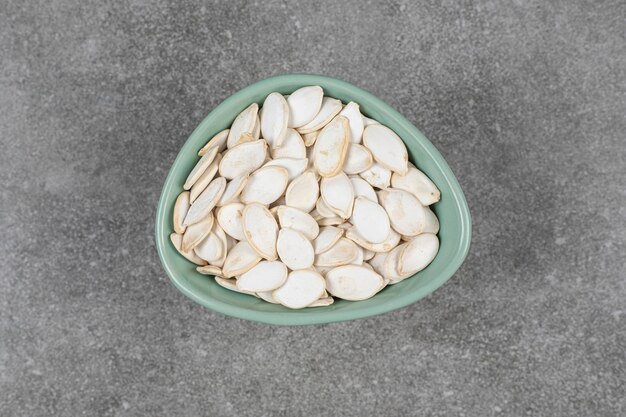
x,y
265,276
267,296
294,249
377,176
387,148
353,282
371,220
218,141
367,254
205,201
177,241
265,185
304,104
358,259
406,213
210,248
298,220
330,221
390,266
323,209
231,284
274,119
196,232
338,194
322,302
292,147
418,184
341,253
199,168
232,190
260,229
243,159
363,188
353,114
244,123
181,207
378,262
418,254
205,179
389,243
301,289
329,109
294,167
227,242
303,192
331,146
209,270
358,159
240,259
327,237
230,218
310,138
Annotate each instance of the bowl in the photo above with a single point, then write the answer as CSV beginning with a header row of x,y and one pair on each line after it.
x,y
452,211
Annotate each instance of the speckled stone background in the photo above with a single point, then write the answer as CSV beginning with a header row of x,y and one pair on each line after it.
x,y
525,99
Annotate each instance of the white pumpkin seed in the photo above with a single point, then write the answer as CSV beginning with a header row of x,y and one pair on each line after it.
x,y
322,302
294,167
329,109
331,146
378,262
218,141
205,201
205,179
181,207
230,218
358,259
407,215
210,248
231,284
377,176
177,241
390,267
199,168
196,232
243,159
303,192
244,123
418,254
367,121
298,220
304,104
389,243
358,159
432,222
240,259
327,237
224,240
309,139
274,119
353,114
367,254
265,276
323,209
330,221
338,194
371,220
418,184
387,148
209,270
267,296
341,253
232,190
353,282
363,188
260,229
265,185
292,147
301,289
294,249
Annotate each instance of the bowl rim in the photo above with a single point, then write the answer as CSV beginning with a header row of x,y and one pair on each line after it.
x,y
277,318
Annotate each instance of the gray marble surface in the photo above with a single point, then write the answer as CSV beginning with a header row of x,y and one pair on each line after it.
x,y
525,100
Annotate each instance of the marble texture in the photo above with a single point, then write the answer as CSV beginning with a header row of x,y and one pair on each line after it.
x,y
526,100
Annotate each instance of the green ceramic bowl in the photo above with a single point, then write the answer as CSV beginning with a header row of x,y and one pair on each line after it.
x,y
452,210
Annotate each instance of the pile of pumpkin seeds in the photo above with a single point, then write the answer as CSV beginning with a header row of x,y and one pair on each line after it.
x,y
306,199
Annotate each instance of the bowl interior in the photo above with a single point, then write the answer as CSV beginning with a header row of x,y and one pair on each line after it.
x,y
452,211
